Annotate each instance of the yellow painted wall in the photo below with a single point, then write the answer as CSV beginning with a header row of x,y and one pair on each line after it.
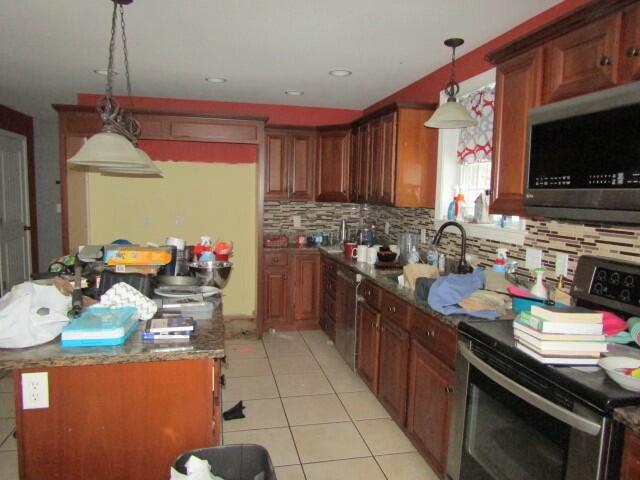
x,y
193,199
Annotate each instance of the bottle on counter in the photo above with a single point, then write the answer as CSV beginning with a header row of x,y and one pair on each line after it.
x,y
538,289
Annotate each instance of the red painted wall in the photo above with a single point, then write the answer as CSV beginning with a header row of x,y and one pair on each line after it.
x,y
428,88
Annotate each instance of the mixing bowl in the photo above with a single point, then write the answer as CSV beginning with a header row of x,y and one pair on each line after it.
x,y
212,274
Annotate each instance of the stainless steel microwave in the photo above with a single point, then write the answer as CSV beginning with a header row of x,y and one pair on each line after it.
x,y
583,157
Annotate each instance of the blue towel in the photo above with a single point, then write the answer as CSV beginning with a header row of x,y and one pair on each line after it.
x,y
446,292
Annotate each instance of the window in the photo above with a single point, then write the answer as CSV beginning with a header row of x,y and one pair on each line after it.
x,y
464,163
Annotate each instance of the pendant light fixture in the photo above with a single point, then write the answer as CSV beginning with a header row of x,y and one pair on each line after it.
x,y
451,114
114,149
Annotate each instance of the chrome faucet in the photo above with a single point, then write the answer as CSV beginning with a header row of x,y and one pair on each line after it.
x,y
463,266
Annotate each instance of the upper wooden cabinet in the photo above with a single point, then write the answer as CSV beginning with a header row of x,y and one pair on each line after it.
x,y
583,61
518,88
630,44
595,47
333,165
399,155
290,165
360,163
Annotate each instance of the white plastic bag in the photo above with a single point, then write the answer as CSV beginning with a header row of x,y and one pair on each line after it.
x,y
32,314
197,469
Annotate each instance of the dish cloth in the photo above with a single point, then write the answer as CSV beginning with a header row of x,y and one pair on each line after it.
x,y
122,294
446,293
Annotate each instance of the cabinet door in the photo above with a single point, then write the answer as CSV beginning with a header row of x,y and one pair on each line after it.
x,y
376,158
353,165
630,45
333,166
388,180
302,166
276,298
364,163
518,88
306,289
277,167
430,401
394,363
582,61
368,345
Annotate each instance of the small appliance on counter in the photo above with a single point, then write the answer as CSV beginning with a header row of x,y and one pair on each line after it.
x,y
515,417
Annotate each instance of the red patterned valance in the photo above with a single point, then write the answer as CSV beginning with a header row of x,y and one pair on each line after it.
x,y
476,143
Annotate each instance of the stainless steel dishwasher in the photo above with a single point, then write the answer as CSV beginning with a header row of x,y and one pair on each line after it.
x,y
347,283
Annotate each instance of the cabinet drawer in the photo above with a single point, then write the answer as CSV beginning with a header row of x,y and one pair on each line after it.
x,y
395,310
371,294
275,259
438,338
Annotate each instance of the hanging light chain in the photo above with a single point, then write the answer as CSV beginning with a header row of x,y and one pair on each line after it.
x,y
126,55
452,88
112,47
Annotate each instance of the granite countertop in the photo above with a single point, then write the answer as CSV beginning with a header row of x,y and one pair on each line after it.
x,y
208,342
381,278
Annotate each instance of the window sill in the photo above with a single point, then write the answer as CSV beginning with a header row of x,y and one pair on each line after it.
x,y
513,236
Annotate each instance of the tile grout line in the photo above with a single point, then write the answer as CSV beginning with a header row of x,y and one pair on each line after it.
x,y
295,445
349,414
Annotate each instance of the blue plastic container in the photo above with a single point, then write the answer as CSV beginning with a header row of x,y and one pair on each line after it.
x,y
520,304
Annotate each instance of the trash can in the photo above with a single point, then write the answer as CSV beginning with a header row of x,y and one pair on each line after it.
x,y
233,462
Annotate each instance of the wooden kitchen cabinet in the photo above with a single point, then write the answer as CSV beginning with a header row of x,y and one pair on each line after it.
x,y
333,165
583,60
368,345
630,456
518,88
394,363
290,164
291,289
429,405
360,163
630,45
306,289
328,297
401,155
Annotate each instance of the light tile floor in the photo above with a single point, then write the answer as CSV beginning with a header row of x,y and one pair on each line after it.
x,y
315,416
8,448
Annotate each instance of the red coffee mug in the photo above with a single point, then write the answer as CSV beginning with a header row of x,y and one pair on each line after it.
x,y
349,248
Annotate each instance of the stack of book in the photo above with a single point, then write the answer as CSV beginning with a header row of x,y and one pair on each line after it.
x,y
169,328
561,335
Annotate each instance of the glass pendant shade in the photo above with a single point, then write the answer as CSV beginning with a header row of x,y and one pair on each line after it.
x,y
451,115
110,152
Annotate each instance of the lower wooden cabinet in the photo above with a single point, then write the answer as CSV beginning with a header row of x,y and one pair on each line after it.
x,y
291,289
630,456
430,404
394,363
368,350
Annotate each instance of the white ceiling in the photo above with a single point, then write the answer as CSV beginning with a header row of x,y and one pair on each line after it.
x,y
49,48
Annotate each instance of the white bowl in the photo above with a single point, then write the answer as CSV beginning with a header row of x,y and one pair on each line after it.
x,y
610,364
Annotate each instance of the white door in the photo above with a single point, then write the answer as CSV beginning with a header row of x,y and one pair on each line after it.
x,y
15,239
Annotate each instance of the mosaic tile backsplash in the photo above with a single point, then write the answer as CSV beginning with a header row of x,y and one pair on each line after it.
x,y
550,236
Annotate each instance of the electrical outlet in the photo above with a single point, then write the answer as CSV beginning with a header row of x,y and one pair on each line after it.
x,y
179,220
146,220
297,221
386,228
58,208
35,390
562,264
423,235
533,258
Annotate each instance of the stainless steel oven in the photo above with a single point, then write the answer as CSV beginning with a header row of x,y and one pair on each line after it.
x,y
512,424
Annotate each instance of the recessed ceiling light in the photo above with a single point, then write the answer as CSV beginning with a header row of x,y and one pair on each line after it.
x,y
294,93
103,72
217,80
340,73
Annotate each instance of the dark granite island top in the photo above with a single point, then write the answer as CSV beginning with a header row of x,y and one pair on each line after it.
x,y
208,342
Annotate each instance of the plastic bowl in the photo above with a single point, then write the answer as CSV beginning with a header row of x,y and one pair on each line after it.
x,y
519,304
610,364
386,256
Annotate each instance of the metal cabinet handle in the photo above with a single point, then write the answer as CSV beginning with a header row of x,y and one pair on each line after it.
x,y
605,61
448,389
633,52
393,309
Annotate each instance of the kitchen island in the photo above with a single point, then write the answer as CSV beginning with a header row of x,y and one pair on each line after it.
x,y
119,412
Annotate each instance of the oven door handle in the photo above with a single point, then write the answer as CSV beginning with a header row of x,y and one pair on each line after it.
x,y
565,416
